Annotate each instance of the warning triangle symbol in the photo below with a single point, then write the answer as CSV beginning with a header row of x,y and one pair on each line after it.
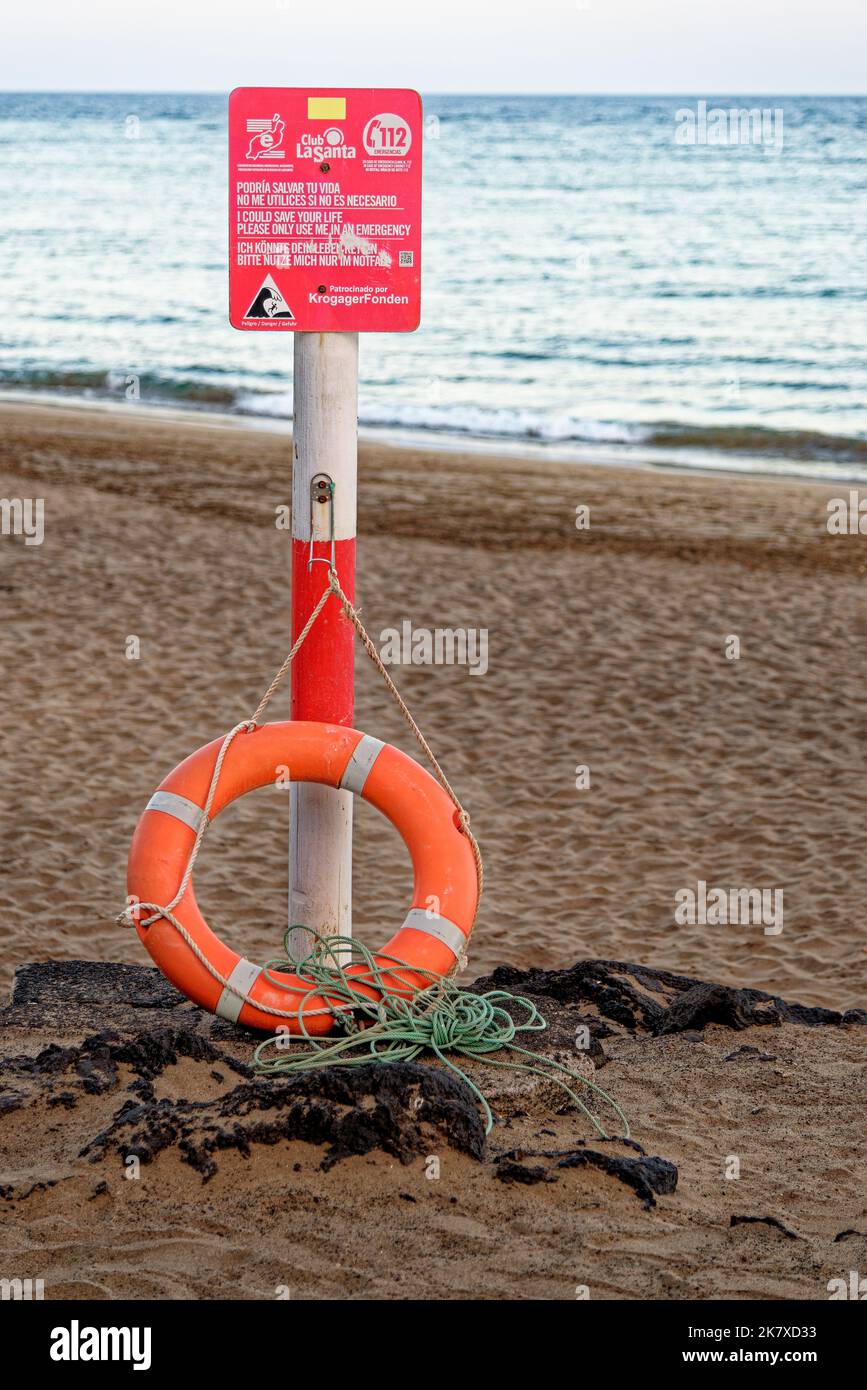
x,y
269,303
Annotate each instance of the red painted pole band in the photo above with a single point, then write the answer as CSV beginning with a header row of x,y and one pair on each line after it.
x,y
325,459
323,684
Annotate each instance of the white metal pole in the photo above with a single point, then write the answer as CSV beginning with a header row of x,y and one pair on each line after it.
x,y
324,482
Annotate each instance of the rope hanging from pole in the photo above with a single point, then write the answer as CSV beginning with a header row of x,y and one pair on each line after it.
x,y
441,1017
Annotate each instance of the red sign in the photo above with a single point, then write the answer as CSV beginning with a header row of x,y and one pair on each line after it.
x,y
325,209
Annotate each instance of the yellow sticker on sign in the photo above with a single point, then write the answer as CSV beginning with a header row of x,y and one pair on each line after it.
x,y
326,108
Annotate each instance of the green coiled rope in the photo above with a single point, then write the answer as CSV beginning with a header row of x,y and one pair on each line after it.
x,y
400,1022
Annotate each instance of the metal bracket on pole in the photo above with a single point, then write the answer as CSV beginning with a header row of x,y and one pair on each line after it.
x,y
321,493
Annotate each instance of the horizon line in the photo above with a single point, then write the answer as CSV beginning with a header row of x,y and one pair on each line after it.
x,y
515,92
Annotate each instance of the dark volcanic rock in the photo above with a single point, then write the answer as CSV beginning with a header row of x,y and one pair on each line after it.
x,y
644,1175
117,1029
750,1053
94,982
86,996
510,1169
703,1004
641,999
399,1108
96,1060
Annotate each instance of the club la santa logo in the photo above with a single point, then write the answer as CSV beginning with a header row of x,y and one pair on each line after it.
x,y
324,144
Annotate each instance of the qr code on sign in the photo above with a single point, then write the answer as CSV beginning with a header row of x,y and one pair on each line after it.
x,y
405,258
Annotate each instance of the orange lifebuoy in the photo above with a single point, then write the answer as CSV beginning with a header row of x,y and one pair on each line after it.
x,y
443,864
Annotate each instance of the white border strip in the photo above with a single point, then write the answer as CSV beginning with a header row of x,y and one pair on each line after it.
x,y
243,977
178,806
418,919
364,755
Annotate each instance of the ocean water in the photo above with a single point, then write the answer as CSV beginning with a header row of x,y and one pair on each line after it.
x,y
590,282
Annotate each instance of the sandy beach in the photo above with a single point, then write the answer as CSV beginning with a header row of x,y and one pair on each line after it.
x,y
606,649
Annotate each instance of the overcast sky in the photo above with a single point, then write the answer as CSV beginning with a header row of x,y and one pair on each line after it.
x,y
693,46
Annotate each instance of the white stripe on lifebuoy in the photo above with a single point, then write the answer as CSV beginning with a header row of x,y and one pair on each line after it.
x,y
364,756
178,806
243,977
419,919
